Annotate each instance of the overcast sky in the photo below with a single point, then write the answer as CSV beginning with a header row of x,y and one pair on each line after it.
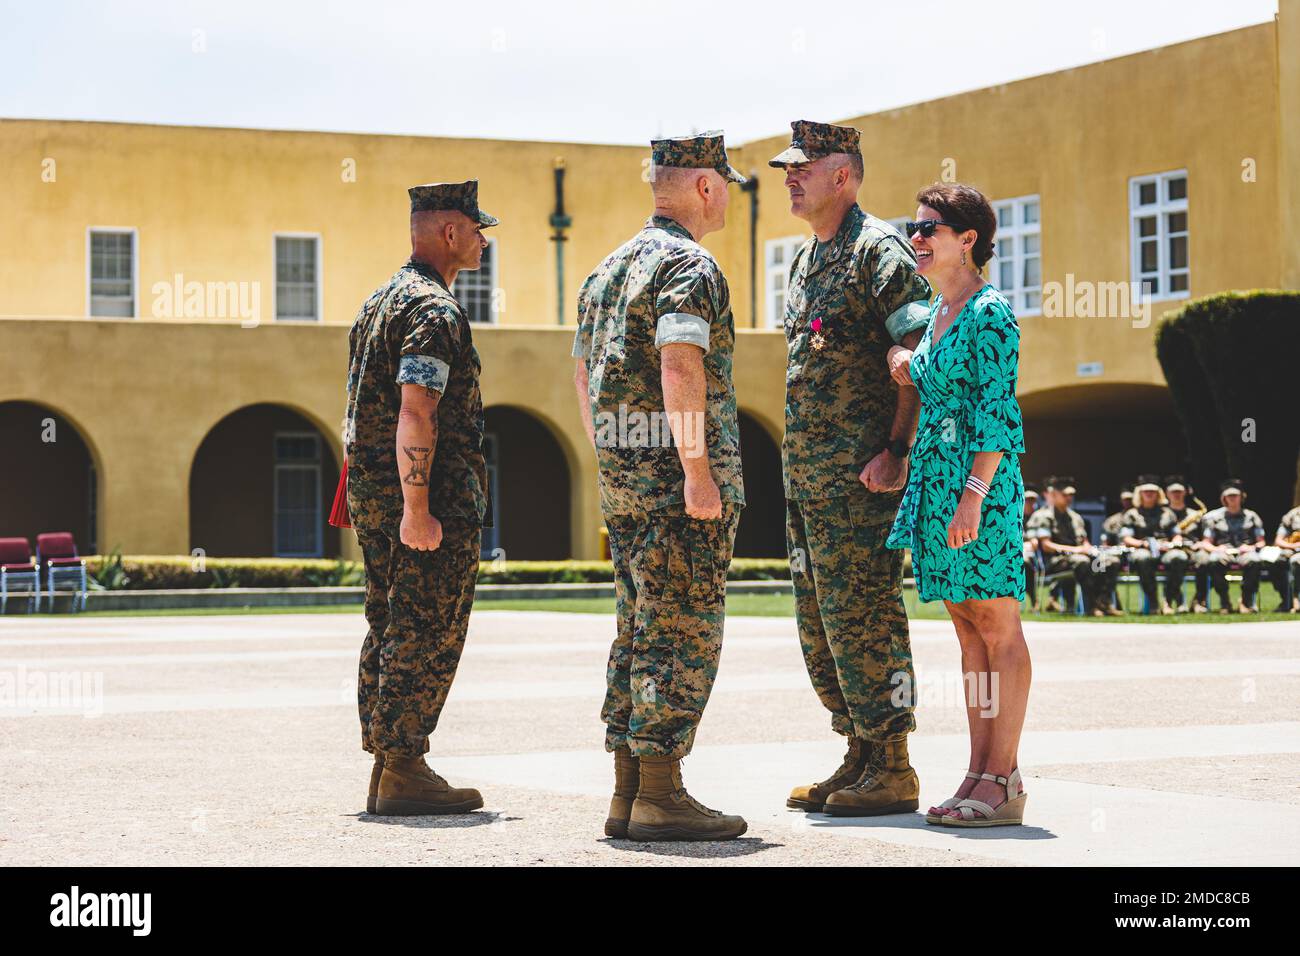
x,y
609,72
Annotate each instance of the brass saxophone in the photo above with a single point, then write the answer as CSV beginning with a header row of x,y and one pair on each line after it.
x,y
1193,515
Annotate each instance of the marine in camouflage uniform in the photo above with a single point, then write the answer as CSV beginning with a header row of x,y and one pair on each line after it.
x,y
1235,538
661,288
1188,524
848,301
412,331
1095,572
1287,563
1151,534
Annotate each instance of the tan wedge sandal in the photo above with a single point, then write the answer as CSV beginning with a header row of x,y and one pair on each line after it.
x,y
950,803
977,813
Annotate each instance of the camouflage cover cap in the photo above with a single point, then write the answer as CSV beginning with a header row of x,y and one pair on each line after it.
x,y
814,140
459,197
705,151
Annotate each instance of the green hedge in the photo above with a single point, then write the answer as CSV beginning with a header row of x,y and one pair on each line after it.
x,y
1227,358
150,572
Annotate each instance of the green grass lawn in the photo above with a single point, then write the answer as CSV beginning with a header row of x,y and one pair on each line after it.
x,y
743,605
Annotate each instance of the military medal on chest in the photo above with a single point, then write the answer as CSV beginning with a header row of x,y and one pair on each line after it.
x,y
818,340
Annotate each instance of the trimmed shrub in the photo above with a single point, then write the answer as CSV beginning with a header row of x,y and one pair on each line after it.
x,y
171,572
1229,359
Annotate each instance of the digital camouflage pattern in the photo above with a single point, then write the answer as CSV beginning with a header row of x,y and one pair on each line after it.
x,y
1287,559
659,287
1220,527
417,606
1232,531
455,197
848,301
810,141
1112,529
670,575
849,605
1095,574
1161,524
704,151
412,330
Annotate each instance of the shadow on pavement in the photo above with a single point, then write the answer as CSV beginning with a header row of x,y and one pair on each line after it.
x,y
916,821
449,821
701,850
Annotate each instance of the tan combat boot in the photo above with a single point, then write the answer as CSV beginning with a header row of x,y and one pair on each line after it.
x,y
663,810
812,798
627,777
887,785
408,787
376,772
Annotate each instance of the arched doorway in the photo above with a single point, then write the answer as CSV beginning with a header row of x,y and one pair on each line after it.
x,y
529,477
261,485
49,481
1103,436
761,533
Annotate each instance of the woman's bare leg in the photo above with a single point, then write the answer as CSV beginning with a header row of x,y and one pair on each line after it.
x,y
997,621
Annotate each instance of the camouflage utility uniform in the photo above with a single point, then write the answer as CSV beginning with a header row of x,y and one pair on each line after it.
x,y
1095,574
1227,532
1158,524
413,331
847,302
660,288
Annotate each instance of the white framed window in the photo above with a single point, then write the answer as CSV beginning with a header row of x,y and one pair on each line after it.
x,y
778,254
1158,234
298,516
297,277
1016,269
112,271
476,289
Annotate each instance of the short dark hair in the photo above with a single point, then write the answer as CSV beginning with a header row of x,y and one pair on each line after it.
x,y
957,202
855,166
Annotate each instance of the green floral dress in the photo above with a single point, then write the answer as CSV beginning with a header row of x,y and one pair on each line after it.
x,y
967,384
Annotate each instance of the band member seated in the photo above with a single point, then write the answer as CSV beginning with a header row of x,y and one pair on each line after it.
x,y
1235,535
1287,541
1063,537
1151,534
1190,512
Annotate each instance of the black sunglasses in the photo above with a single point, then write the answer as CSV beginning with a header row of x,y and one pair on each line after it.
x,y
926,227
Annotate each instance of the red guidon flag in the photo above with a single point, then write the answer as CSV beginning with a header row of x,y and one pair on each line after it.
x,y
339,516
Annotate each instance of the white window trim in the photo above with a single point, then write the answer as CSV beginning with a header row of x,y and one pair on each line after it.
x,y
135,269
320,277
1160,209
793,243
1018,230
495,248
319,468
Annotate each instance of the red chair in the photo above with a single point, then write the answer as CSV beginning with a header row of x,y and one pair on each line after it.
x,y
16,567
56,552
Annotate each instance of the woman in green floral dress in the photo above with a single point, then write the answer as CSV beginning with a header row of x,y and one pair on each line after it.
x,y
963,509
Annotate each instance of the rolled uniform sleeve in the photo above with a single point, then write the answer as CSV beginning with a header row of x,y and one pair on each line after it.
x,y
997,424
899,296
687,302
428,352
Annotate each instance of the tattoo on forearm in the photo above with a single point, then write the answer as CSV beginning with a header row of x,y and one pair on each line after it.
x,y
418,476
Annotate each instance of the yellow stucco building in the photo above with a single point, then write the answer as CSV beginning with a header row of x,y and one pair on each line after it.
x,y
174,302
